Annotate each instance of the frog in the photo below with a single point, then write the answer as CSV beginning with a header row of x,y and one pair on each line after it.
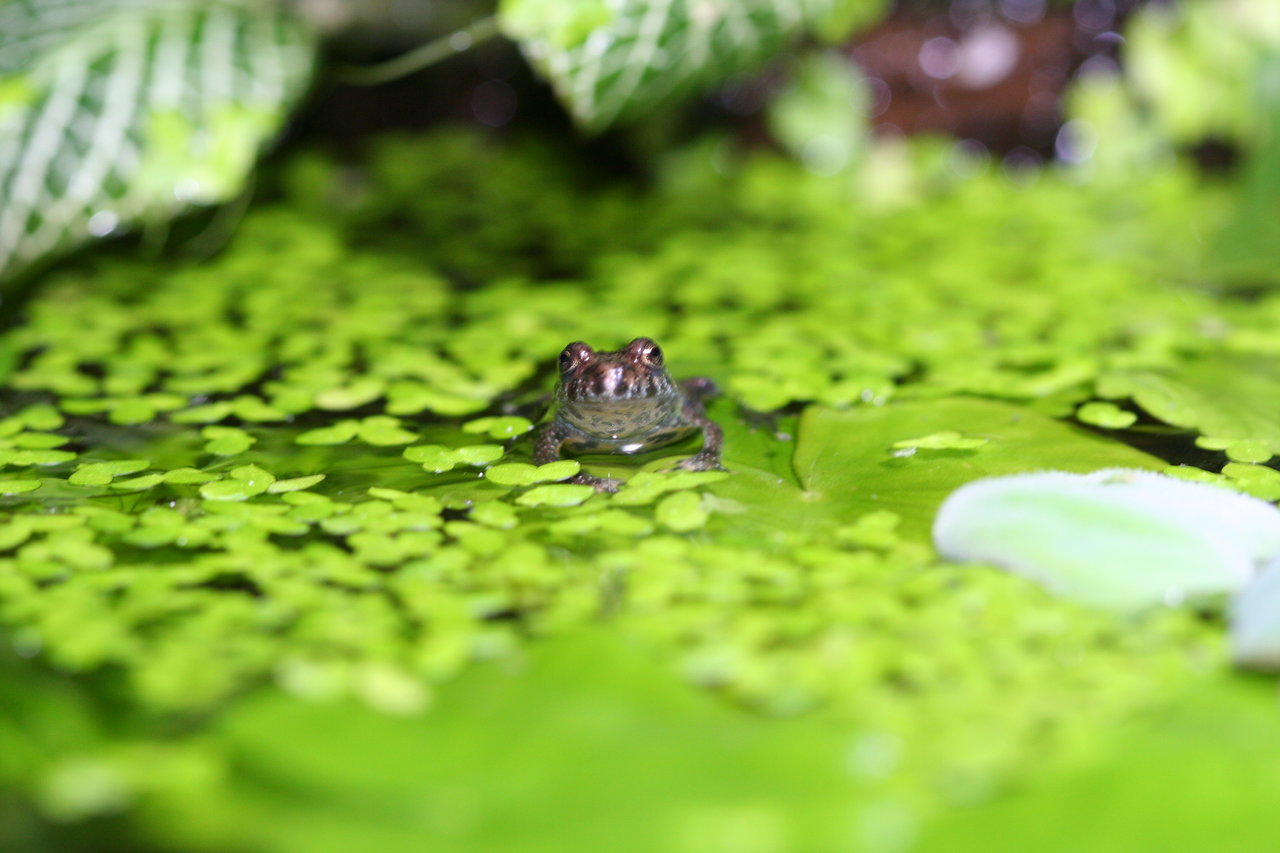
x,y
625,401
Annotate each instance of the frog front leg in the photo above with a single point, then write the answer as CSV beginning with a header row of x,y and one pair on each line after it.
x,y
547,447
708,458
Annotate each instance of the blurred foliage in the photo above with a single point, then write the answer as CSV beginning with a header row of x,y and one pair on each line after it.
x,y
276,573
616,60
114,115
1192,72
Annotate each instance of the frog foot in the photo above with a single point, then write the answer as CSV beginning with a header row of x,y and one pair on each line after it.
x,y
600,484
699,463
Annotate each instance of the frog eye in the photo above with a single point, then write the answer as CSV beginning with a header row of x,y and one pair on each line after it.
x,y
574,354
646,349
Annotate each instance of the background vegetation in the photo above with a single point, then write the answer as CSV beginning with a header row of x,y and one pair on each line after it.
x,y
276,573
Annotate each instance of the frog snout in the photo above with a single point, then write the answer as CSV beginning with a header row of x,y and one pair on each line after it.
x,y
613,379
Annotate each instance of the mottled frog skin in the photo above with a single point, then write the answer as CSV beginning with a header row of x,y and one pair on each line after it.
x,y
625,401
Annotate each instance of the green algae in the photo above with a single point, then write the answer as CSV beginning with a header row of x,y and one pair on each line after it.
x,y
267,468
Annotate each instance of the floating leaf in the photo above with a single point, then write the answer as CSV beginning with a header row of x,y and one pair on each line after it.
x,y
226,441
681,512
512,474
478,454
504,427
339,433
295,484
189,476
17,487
207,413
137,484
433,457
384,431
1230,398
524,474
945,440
1119,539
101,473
1105,415
560,494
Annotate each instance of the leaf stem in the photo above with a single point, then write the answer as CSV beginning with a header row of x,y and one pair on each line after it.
x,y
420,57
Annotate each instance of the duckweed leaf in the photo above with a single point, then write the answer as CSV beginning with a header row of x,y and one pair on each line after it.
x,y
561,469
38,440
512,474
137,484
478,454
189,476
1119,539
495,514
40,416
501,428
17,487
945,440
339,433
433,457
101,473
352,396
252,474
294,484
1230,398
560,494
226,441
206,413
384,431
1257,480
232,489
681,512
1105,415
23,458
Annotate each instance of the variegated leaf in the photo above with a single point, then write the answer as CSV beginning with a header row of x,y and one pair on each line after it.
x,y
120,112
613,59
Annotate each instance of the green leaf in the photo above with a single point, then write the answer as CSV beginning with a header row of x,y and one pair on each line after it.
x,y
501,428
137,484
846,465
612,61
681,512
189,476
560,494
384,431
17,487
433,457
1228,398
226,441
295,484
122,114
1105,415
339,433
101,473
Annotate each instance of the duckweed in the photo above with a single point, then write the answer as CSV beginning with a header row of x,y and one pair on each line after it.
x,y
263,469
